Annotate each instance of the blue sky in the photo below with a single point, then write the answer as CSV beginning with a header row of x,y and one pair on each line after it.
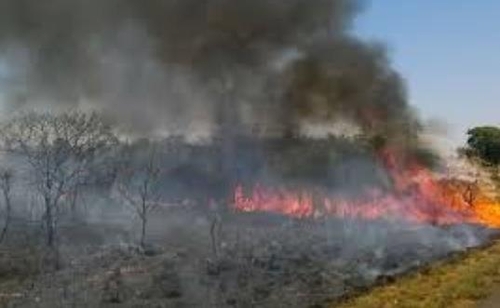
x,y
449,53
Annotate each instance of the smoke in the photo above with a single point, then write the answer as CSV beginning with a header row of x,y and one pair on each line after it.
x,y
196,66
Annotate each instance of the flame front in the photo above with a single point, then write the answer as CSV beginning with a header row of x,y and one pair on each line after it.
x,y
418,195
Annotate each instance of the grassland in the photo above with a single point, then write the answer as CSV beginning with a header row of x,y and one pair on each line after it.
x,y
461,282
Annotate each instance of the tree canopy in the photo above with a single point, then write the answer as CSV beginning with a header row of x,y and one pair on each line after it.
x,y
484,143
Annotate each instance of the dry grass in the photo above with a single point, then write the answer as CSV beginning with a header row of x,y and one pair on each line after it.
x,y
459,283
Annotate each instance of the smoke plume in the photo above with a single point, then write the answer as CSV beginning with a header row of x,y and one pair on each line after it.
x,y
201,66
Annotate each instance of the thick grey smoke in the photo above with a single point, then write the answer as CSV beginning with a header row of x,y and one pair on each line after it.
x,y
200,65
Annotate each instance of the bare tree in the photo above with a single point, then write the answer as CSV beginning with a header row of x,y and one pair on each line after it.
x,y
59,150
5,187
138,185
215,228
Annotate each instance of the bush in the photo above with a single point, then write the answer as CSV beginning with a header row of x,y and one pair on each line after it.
x,y
484,143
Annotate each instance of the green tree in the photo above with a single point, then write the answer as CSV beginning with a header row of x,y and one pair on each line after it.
x,y
484,142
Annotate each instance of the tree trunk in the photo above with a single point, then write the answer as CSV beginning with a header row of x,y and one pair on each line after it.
x,y
143,231
6,182
215,230
144,221
49,221
7,216
74,199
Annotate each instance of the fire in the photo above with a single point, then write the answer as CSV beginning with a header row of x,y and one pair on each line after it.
x,y
418,196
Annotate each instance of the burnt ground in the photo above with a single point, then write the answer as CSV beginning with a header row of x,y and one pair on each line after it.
x,y
258,260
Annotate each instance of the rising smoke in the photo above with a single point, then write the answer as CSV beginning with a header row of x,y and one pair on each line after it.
x,y
225,68
191,66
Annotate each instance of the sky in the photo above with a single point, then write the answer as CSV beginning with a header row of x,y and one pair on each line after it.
x,y
448,51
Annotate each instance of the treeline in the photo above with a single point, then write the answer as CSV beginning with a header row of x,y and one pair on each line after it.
x,y
61,156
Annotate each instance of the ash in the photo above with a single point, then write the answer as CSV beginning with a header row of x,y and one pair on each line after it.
x,y
196,259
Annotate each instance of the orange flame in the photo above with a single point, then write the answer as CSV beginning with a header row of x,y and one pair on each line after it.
x,y
418,196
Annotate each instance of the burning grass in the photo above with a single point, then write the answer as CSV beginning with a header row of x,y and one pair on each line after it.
x,y
461,282
418,195
281,242
261,260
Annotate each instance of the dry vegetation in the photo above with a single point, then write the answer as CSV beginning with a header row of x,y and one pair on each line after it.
x,y
461,282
